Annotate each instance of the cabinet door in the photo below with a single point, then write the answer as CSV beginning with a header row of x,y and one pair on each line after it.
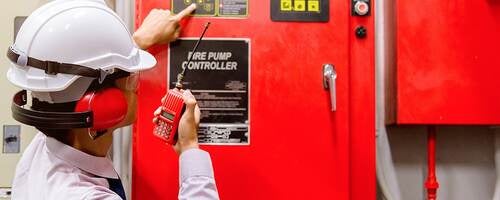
x,y
299,148
447,62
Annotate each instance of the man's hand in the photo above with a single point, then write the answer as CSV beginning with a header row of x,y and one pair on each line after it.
x,y
160,27
187,137
188,125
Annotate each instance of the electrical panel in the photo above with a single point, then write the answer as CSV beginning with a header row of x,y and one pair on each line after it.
x,y
300,10
265,113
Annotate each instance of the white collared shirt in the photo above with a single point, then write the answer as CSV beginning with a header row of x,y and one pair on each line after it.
x,y
52,170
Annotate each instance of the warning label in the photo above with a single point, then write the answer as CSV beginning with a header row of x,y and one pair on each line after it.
x,y
218,76
222,8
300,5
233,7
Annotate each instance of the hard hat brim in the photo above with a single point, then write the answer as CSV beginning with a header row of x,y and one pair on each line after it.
x,y
146,61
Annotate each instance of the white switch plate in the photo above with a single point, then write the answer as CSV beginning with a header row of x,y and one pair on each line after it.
x,y
11,138
5,193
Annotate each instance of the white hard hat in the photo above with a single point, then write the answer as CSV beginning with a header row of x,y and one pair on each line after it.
x,y
74,36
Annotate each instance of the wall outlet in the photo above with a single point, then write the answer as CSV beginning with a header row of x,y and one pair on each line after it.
x,y
5,193
11,138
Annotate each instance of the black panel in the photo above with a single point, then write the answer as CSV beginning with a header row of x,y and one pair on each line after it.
x,y
204,7
300,10
213,8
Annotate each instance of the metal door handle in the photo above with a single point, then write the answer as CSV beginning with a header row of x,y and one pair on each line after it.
x,y
329,78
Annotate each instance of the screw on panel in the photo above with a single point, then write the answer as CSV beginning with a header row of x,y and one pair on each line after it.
x,y
360,32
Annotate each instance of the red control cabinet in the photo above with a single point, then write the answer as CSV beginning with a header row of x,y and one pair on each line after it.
x,y
299,148
448,62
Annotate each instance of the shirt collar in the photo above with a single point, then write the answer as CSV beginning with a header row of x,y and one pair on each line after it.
x,y
100,166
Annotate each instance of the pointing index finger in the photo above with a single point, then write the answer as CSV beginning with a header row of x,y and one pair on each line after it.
x,y
185,12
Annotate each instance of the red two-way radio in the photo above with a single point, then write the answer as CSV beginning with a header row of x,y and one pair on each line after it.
x,y
173,106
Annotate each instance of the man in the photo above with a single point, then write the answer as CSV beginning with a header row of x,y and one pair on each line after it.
x,y
80,65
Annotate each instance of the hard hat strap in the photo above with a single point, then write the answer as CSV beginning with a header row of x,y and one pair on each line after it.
x,y
53,68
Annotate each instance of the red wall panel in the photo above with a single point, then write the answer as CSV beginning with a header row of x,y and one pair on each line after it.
x,y
448,62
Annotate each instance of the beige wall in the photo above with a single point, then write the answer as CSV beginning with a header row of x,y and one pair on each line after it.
x,y
8,11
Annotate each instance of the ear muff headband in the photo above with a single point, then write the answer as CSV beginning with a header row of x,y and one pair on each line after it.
x,y
48,120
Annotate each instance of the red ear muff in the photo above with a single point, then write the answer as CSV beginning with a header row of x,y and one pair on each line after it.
x,y
108,106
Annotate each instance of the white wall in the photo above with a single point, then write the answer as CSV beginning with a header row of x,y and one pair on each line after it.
x,y
8,11
465,161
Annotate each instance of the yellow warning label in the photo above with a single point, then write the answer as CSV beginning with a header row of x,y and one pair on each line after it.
x,y
286,5
299,5
313,6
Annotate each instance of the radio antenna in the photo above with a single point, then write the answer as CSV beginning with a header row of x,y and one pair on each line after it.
x,y
180,76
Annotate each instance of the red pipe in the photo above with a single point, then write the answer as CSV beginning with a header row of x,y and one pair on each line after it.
x,y
431,184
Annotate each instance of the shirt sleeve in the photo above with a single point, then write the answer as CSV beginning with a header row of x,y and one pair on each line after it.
x,y
196,178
